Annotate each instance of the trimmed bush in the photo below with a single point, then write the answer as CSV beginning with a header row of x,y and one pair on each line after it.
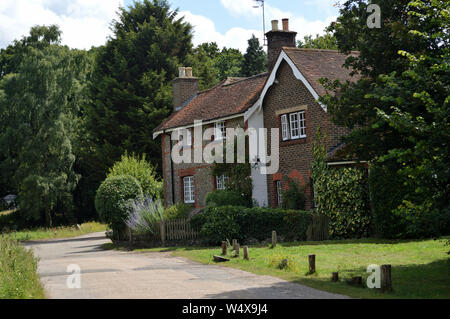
x,y
220,198
143,171
177,211
231,222
113,199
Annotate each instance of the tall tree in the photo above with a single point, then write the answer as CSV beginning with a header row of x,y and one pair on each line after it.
x,y
326,41
203,62
131,89
36,119
398,110
255,59
228,63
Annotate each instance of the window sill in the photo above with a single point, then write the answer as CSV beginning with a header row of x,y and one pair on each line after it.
x,y
293,142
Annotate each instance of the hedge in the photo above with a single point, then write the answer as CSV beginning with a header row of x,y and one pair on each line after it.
x,y
244,224
220,198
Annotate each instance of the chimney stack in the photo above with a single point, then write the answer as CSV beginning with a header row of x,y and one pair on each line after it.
x,y
185,87
277,39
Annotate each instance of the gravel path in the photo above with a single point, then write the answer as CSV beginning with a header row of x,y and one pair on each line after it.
x,y
126,275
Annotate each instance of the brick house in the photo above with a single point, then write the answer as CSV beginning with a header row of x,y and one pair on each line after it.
x,y
285,98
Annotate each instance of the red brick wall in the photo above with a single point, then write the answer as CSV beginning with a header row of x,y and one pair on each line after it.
x,y
296,156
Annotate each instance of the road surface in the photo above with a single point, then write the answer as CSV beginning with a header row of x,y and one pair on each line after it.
x,y
111,274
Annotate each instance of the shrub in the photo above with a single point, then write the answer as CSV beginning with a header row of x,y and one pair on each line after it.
x,y
227,198
144,215
177,211
231,222
142,170
341,194
113,198
294,195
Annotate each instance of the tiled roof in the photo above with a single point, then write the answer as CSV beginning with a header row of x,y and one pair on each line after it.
x,y
229,97
315,64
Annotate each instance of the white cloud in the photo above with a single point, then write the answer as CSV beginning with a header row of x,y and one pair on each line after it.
x,y
297,23
205,31
84,23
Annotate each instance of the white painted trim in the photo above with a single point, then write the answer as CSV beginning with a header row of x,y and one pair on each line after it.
x,y
283,57
156,134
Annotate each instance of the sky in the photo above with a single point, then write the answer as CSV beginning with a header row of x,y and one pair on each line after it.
x,y
230,23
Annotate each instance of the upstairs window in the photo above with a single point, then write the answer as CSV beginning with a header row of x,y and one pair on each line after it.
x,y
220,131
221,182
188,187
293,126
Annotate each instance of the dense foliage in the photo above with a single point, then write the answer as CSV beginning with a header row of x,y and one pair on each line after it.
x,y
38,107
219,198
113,201
217,224
255,59
177,211
342,194
399,109
326,41
294,195
143,171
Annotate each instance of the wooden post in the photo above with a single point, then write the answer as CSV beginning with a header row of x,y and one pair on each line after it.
x,y
274,239
224,248
312,264
356,281
246,252
234,244
237,250
335,277
386,281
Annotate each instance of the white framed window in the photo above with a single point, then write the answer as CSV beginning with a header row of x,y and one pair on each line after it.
x,y
295,127
220,131
279,193
284,127
185,133
221,182
188,187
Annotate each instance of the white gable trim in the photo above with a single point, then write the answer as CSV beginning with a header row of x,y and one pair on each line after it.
x,y
283,57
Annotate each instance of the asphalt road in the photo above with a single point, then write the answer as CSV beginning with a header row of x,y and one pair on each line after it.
x,y
126,275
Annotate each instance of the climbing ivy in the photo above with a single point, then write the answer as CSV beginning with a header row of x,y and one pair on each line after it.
x,y
342,194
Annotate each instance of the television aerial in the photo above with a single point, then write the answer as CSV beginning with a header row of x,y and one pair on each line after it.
x,y
260,4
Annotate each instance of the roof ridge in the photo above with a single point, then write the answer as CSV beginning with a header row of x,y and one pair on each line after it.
x,y
319,50
248,78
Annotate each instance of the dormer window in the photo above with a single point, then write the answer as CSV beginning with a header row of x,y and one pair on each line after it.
x,y
220,131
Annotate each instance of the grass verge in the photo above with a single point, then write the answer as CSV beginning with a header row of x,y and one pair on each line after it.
x,y
18,272
420,268
55,233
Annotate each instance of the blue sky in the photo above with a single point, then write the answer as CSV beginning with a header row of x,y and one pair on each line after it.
x,y
228,22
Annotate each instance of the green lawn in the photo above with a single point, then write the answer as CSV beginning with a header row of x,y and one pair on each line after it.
x,y
61,232
420,269
18,272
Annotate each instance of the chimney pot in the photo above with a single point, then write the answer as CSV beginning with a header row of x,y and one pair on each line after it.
x,y
285,24
189,72
274,25
182,72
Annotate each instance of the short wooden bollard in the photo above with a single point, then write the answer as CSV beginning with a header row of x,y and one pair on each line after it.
x,y
238,247
386,281
335,277
245,252
356,281
274,239
224,248
312,264
234,244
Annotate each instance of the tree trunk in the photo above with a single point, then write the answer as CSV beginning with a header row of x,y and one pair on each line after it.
x,y
48,218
